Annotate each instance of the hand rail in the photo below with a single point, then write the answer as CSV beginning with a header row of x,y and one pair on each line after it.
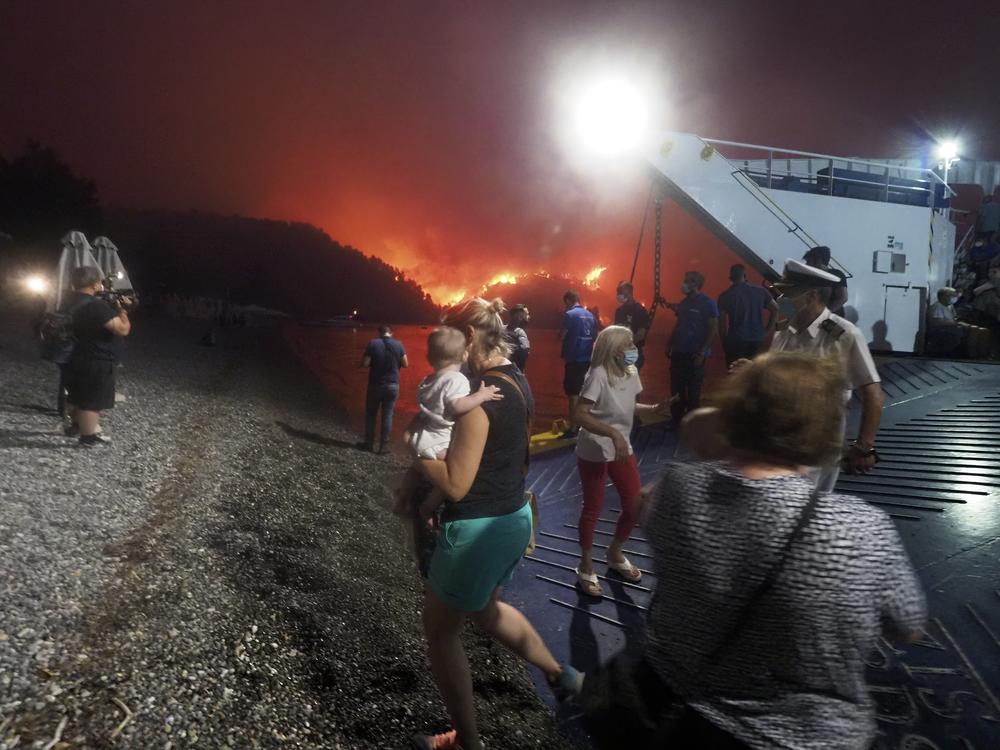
x,y
771,150
818,177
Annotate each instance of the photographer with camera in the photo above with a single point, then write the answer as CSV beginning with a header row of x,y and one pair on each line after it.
x,y
90,380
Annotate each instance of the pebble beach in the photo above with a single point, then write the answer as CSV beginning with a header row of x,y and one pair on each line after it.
x,y
225,574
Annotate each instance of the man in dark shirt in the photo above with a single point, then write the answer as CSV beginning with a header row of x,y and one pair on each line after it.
x,y
741,316
690,344
90,372
383,357
819,257
520,347
579,329
632,315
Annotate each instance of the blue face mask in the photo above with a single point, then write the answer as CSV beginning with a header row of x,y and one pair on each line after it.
x,y
631,356
685,288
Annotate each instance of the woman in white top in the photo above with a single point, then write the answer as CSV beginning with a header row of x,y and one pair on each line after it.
x,y
604,413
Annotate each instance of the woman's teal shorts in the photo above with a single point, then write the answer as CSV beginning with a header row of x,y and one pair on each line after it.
x,y
474,556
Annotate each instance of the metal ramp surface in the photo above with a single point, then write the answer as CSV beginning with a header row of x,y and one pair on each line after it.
x,y
940,481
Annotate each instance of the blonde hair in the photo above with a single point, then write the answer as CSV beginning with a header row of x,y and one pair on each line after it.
x,y
609,343
445,346
945,291
787,407
490,339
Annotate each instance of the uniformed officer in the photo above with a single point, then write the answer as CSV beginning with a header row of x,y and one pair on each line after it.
x,y
813,329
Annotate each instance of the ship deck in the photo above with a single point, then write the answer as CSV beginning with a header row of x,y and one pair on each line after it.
x,y
939,479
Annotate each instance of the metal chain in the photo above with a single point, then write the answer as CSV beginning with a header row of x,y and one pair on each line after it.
x,y
657,252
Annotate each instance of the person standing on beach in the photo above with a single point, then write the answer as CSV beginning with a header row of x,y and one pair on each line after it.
x,y
383,357
485,529
90,373
577,335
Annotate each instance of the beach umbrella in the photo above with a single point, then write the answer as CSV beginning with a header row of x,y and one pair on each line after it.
x,y
76,252
112,266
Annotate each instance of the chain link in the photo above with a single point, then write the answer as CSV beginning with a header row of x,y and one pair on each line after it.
x,y
657,253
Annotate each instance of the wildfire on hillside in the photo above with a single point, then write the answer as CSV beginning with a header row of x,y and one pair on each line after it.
x,y
593,278
503,278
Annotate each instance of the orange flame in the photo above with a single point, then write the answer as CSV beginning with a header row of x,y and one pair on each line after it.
x,y
504,278
592,278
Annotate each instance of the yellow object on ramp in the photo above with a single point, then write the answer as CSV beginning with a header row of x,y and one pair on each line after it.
x,y
553,439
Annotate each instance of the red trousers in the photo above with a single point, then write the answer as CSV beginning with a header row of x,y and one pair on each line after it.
x,y
593,477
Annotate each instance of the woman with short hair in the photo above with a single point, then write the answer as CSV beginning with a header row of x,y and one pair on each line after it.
x,y
770,595
604,412
485,527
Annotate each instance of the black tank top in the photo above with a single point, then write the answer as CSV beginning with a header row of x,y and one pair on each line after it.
x,y
498,488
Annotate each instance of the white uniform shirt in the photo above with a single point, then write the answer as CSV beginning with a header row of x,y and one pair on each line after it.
x,y
822,340
614,405
433,394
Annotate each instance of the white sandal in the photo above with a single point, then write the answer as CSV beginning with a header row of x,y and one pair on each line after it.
x,y
626,570
587,584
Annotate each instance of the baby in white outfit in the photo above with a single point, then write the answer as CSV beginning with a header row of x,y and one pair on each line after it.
x,y
443,396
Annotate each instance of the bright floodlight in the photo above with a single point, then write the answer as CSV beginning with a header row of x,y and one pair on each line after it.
x,y
947,150
611,116
36,284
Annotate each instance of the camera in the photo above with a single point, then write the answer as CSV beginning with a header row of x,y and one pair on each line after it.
x,y
124,298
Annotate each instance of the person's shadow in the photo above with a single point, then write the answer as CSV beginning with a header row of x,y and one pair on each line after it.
x,y
879,342
314,437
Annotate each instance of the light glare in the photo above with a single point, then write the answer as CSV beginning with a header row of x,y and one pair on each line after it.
x,y
947,150
36,284
611,116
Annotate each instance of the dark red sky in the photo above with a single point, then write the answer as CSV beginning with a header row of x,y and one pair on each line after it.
x,y
422,132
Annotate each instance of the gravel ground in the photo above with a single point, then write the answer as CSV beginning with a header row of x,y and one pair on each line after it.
x,y
224,575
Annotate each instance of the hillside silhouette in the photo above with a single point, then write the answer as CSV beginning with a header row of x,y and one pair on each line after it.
x,y
289,266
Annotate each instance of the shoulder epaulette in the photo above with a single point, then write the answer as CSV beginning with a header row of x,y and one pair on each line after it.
x,y
833,329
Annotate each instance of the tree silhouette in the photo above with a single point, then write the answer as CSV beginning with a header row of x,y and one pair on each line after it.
x,y
41,198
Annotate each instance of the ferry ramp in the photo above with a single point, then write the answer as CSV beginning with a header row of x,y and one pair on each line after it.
x,y
939,479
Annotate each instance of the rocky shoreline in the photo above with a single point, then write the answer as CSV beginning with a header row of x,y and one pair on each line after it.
x,y
224,575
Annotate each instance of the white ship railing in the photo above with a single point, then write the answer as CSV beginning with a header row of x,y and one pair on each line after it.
x,y
777,164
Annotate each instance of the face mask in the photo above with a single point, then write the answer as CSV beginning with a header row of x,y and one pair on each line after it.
x,y
952,300
631,356
622,299
685,288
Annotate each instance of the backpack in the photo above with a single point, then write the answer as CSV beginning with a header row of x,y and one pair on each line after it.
x,y
56,335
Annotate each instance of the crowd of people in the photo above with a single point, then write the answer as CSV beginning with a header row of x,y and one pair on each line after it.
x,y
749,539
964,321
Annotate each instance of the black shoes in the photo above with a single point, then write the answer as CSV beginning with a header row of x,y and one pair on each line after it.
x,y
94,441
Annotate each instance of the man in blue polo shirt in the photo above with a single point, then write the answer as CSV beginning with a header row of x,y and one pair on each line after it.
x,y
690,344
741,319
578,332
383,357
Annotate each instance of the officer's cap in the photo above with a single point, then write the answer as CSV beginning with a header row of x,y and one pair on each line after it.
x,y
798,275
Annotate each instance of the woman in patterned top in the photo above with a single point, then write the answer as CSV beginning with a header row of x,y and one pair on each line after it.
x,y
778,665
